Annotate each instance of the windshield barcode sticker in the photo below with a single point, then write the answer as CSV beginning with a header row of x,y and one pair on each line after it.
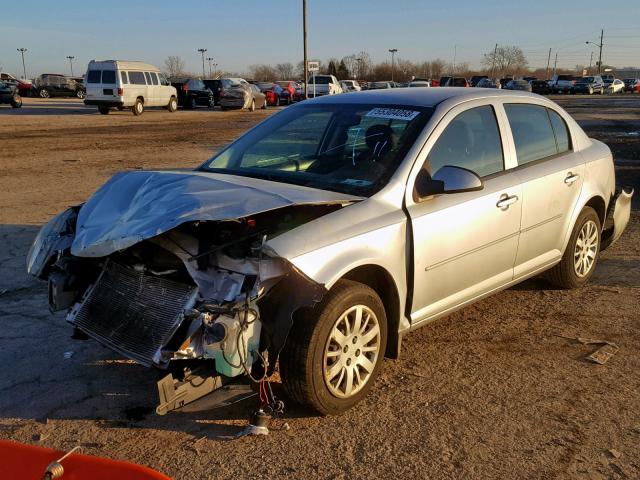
x,y
393,113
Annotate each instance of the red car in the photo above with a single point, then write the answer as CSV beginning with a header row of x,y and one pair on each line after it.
x,y
273,92
291,89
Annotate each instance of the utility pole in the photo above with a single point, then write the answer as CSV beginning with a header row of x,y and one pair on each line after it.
x,y
599,45
304,41
209,59
493,60
24,69
215,71
71,57
555,64
455,55
202,51
590,63
548,62
393,53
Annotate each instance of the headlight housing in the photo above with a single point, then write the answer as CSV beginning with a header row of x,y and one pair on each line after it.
x,y
53,236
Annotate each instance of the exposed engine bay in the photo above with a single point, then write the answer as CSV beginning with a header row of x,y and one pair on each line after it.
x,y
210,291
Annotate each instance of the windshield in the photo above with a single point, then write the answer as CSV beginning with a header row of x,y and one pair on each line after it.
x,y
231,82
586,80
348,148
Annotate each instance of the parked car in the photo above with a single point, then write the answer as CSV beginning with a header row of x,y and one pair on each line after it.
x,y
25,89
522,85
476,79
457,82
215,86
632,85
126,84
419,83
274,93
589,85
367,206
540,87
9,95
55,85
443,81
350,86
488,83
379,85
192,93
238,93
562,83
617,86
608,78
292,91
324,85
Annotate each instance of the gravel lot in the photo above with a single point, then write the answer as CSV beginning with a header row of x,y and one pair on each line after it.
x,y
494,391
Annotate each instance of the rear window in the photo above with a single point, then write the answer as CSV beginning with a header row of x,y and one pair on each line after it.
x,y
93,76
137,78
109,77
565,77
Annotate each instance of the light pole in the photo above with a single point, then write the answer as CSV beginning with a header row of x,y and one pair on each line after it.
x,y
71,57
24,69
215,72
202,50
590,63
392,51
304,42
599,45
209,59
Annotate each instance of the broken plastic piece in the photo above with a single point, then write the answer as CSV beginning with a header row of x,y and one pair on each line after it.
x,y
604,353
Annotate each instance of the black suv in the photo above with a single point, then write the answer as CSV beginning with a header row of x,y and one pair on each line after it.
x,y
215,86
54,85
192,92
589,85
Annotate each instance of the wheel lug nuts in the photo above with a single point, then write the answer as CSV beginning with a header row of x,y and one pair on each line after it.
x,y
345,349
355,340
348,362
357,353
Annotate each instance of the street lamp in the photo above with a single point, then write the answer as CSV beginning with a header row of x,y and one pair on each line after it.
x,y
71,57
202,50
215,73
393,52
24,69
599,45
209,60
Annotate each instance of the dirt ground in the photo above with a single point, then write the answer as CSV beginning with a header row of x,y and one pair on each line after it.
x,y
495,391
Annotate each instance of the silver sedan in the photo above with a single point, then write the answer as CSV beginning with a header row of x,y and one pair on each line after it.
x,y
328,232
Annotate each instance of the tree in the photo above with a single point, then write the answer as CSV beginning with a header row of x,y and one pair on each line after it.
x,y
505,60
332,69
263,73
343,71
284,70
174,65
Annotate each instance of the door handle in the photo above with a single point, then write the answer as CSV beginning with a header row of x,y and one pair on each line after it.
x,y
506,200
570,178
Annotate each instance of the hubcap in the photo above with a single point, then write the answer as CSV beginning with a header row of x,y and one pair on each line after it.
x,y
351,352
584,254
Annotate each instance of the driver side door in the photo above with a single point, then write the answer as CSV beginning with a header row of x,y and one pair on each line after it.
x,y
465,244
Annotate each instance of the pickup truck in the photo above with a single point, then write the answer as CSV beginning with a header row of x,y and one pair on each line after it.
x,y
323,85
562,83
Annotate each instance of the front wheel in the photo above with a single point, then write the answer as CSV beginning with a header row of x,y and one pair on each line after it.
x,y
264,105
172,106
81,94
44,93
252,107
335,350
16,101
581,255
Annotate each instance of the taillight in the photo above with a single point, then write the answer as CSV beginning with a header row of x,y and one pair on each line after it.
x,y
573,82
185,88
120,92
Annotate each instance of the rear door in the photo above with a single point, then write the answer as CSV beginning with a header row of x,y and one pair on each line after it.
x,y
551,174
93,82
464,244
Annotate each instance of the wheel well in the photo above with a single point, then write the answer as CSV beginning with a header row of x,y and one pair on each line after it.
x,y
597,203
140,98
382,282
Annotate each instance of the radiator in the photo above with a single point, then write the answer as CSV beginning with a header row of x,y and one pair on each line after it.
x,y
133,313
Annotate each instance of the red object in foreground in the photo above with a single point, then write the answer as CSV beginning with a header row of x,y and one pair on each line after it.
x,y
27,462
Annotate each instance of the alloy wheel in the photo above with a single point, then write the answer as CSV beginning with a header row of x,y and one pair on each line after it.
x,y
586,248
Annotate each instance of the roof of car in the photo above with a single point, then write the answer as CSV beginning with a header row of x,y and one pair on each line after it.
x,y
427,97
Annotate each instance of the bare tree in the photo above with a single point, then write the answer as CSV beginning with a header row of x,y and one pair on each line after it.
x,y
284,70
505,60
174,65
262,72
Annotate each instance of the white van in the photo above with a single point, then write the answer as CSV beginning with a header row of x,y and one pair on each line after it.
x,y
123,84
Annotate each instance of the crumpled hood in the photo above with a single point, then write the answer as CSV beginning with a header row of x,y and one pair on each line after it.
x,y
135,206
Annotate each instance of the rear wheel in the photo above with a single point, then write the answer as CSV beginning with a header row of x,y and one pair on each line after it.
x,y
104,110
252,107
81,94
581,255
138,107
335,350
44,93
172,106
16,101
264,105
191,103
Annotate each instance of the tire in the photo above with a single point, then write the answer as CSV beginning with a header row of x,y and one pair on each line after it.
x,y
277,101
571,272
103,110
81,94
264,105
121,108
44,93
172,106
590,91
224,109
138,107
310,374
252,107
16,101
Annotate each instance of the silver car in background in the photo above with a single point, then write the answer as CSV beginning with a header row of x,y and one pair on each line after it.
x,y
328,232
238,93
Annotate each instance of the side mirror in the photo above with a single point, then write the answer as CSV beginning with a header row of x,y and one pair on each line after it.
x,y
448,179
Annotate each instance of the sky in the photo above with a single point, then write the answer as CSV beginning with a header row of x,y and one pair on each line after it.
x,y
239,33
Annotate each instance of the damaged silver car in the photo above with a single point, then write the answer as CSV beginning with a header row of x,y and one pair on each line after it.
x,y
327,232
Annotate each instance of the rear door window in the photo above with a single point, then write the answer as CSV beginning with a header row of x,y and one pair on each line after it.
x,y
137,78
124,78
93,76
532,132
148,77
563,141
109,77
154,78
